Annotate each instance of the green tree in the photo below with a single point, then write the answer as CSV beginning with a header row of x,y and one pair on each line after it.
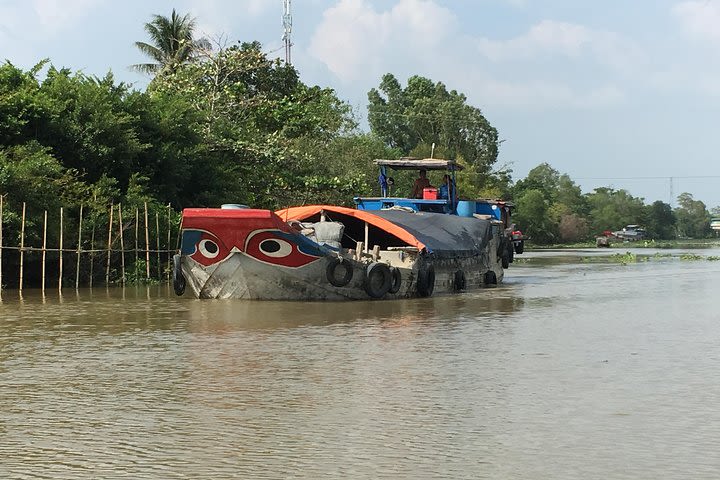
x,y
660,221
424,113
172,43
88,126
173,155
693,219
613,209
532,217
572,228
29,173
21,104
262,131
570,194
557,188
543,178
567,208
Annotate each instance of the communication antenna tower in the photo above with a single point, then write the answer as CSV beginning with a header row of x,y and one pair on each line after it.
x,y
287,26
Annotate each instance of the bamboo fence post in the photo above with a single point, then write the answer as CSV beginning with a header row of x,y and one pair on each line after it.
x,y
122,243
167,246
367,237
109,246
92,241
22,247
157,244
44,250
137,230
79,245
1,243
147,245
60,276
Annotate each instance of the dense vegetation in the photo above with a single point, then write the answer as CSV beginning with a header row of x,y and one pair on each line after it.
x,y
230,124
552,209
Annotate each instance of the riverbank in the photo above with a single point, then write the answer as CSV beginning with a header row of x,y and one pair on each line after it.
x,y
689,243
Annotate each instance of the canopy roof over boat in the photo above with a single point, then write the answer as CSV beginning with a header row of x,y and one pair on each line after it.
x,y
413,163
305,212
440,234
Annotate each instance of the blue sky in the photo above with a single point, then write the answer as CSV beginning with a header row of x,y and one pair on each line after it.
x,y
614,93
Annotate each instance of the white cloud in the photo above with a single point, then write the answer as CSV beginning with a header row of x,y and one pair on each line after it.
x,y
219,19
11,20
537,94
354,39
547,36
55,15
692,66
553,39
257,7
359,43
44,17
700,19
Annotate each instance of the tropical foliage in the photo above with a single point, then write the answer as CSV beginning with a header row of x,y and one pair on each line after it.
x,y
172,43
233,126
425,114
693,219
552,209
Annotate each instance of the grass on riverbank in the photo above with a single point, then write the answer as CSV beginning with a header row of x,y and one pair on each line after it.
x,y
618,244
630,257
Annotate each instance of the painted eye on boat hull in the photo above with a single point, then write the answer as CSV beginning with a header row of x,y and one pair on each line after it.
x,y
204,247
275,248
208,248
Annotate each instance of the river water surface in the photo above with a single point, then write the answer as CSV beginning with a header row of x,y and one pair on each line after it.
x,y
573,369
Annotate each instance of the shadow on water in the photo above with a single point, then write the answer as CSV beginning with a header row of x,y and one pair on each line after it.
x,y
115,310
234,314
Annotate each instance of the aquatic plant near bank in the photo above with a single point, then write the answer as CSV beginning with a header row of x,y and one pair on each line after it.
x,y
624,258
630,257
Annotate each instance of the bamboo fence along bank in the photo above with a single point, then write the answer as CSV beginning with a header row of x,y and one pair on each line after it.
x,y
85,246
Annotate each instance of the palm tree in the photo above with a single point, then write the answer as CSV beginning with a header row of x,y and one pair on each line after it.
x,y
171,43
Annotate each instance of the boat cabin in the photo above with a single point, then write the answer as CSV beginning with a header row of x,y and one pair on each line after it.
x,y
431,200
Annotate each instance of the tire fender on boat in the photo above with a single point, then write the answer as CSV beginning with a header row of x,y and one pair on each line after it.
x,y
178,277
331,272
426,280
378,280
396,280
459,282
504,250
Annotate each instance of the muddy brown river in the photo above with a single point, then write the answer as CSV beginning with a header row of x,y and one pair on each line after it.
x,y
577,367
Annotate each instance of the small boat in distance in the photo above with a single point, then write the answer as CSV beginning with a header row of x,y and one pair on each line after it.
x,y
386,247
631,233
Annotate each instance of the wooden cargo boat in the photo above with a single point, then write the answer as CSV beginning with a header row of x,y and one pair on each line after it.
x,y
385,248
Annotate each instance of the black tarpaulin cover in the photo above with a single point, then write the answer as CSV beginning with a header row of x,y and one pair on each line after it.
x,y
442,234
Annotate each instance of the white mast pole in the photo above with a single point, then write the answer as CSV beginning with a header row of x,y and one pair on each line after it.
x,y
287,27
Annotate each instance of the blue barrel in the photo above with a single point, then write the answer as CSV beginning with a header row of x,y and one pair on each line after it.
x,y
465,208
